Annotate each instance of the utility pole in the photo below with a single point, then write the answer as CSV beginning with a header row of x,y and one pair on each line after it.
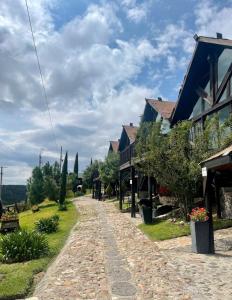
x,y
61,158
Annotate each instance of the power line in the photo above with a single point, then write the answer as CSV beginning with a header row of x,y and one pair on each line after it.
x,y
41,74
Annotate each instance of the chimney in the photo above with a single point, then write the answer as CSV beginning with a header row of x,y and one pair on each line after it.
x,y
159,98
131,124
219,35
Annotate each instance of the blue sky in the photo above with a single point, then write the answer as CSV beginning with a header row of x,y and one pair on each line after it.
x,y
100,60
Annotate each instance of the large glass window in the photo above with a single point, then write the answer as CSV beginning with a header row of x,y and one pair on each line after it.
x,y
224,61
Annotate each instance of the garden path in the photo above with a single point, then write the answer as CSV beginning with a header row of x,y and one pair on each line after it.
x,y
107,257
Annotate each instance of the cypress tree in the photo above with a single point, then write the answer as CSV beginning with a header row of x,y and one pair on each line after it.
x,y
76,165
63,182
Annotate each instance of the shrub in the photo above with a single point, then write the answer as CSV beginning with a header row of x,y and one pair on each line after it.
x,y
79,194
23,246
48,225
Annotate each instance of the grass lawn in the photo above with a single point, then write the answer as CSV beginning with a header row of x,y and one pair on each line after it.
x,y
17,279
164,230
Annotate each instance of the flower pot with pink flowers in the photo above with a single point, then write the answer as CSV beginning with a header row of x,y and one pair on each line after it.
x,y
200,230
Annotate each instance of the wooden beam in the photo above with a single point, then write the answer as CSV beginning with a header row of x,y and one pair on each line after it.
x,y
133,192
120,190
202,93
223,85
208,199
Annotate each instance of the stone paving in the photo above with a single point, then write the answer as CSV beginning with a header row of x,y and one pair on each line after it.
x,y
107,257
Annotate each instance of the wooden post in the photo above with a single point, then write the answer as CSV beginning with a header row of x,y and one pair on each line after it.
x,y
133,192
99,190
149,183
120,190
93,190
209,198
217,196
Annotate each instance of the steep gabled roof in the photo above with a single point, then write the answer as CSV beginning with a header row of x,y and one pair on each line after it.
x,y
114,145
165,108
131,132
198,65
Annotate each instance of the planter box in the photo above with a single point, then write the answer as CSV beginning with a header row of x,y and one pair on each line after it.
x,y
9,225
200,237
146,214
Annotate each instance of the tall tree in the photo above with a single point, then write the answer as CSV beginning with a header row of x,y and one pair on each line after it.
x,y
63,181
36,187
76,165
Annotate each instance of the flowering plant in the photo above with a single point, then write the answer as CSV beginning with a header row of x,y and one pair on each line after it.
x,y
199,215
9,216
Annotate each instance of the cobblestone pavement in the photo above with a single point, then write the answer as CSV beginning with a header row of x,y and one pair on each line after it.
x,y
107,257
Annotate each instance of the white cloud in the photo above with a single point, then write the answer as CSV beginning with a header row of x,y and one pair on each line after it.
x,y
88,75
211,18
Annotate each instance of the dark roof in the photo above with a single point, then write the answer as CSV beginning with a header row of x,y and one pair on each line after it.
x,y
131,132
198,65
165,108
224,152
114,145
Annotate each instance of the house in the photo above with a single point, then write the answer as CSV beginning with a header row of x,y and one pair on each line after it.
x,y
206,93
127,170
207,86
113,147
159,110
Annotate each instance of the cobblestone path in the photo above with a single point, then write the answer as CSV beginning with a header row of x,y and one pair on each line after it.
x,y
107,257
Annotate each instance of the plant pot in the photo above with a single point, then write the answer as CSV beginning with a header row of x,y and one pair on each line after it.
x,y
146,214
200,233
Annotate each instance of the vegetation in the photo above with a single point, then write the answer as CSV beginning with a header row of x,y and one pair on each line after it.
x,y
23,273
164,229
47,225
108,172
92,171
23,245
63,182
36,187
173,159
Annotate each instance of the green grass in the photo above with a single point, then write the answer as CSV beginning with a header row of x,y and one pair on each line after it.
x,y
17,278
164,230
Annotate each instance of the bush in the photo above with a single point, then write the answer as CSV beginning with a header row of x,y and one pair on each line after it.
x,y
23,246
79,194
48,225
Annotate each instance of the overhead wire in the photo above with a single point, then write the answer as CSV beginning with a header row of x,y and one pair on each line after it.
x,y
41,74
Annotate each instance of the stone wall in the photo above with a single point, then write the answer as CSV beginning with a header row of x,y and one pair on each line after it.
x,y
226,202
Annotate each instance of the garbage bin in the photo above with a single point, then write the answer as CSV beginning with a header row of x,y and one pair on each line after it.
x,y
145,208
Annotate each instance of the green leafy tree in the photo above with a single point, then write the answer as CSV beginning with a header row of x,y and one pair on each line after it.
x,y
108,172
36,187
76,165
56,172
91,172
173,159
51,189
63,181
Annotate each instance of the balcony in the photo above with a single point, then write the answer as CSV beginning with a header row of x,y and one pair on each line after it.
x,y
127,154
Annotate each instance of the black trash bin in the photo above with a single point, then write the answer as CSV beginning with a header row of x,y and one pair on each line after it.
x,y
145,207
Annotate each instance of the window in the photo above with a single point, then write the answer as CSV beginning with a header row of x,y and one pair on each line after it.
x,y
224,61
202,103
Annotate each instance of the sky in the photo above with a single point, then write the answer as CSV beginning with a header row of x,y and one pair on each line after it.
x,y
100,60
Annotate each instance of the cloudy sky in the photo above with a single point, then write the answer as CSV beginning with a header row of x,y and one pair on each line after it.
x,y
100,59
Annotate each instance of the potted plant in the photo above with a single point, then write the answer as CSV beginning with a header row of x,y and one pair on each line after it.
x,y
9,221
199,226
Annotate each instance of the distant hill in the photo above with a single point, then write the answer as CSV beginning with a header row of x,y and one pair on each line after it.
x,y
13,193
